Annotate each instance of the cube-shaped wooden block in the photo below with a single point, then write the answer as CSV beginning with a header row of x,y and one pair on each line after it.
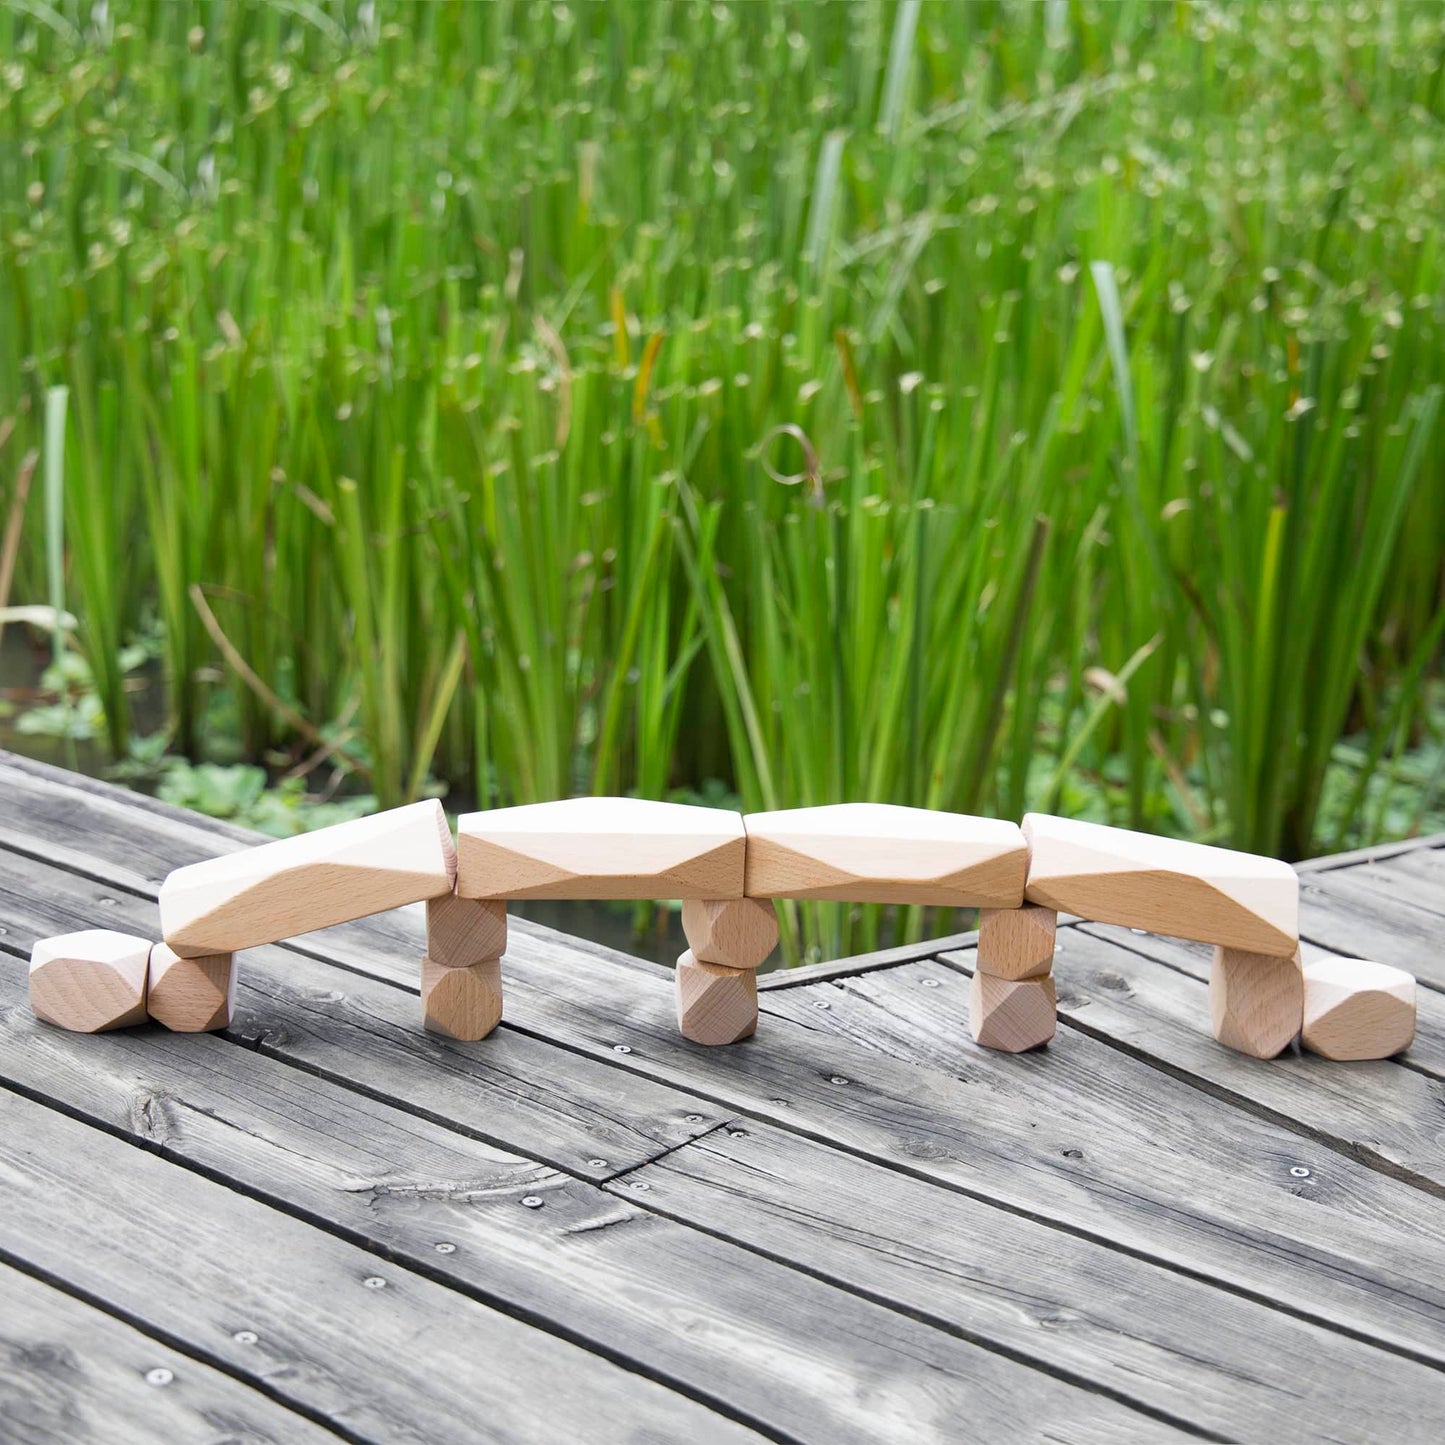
x,y
90,981
1017,942
1012,1014
462,1003
1256,1001
733,932
1354,1009
191,995
715,1005
464,931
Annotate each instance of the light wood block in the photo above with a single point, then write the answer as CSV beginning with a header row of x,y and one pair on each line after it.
x,y
1017,942
464,931
734,932
90,981
601,848
1012,1014
715,1005
1164,885
462,1003
882,853
1256,1001
191,995
1354,1009
266,894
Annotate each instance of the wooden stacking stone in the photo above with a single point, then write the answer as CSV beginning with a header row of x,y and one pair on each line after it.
x,y
266,894
191,995
1012,1014
734,932
627,848
462,1003
1017,943
90,981
883,853
461,932
715,1005
1354,1009
1164,885
1256,1001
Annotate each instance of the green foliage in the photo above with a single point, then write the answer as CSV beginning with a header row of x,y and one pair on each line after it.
x,y
982,406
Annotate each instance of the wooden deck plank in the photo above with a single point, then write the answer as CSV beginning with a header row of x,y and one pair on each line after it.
x,y
70,1372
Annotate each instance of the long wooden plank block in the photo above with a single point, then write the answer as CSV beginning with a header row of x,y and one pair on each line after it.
x,y
1166,885
75,1374
338,1332
296,885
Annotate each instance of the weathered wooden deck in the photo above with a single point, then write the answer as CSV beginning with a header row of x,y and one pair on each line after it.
x,y
856,1227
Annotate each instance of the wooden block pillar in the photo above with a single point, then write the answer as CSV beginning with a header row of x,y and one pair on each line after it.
x,y
717,987
1012,1003
1256,1000
461,974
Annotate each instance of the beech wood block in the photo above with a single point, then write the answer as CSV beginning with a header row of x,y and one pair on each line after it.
x,y
1012,1014
464,931
295,885
191,995
1354,1009
734,932
715,1005
883,853
462,1003
1017,942
1256,1001
601,848
1164,885
90,981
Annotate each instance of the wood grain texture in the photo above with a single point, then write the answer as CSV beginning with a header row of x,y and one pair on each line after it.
x,y
295,885
715,1005
1017,942
734,932
191,995
1256,1001
600,848
1164,885
882,853
1012,1015
464,931
1355,1009
463,1003
90,980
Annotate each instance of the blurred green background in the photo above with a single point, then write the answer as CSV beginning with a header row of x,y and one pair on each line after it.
x,y
984,406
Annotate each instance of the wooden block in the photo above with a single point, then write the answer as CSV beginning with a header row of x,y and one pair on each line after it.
x,y
715,1005
601,848
734,932
1357,1010
1256,1001
1017,942
1164,885
882,853
464,931
295,885
1012,1014
90,981
191,995
462,1003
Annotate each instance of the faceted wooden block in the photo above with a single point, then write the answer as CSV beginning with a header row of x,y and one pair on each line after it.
x,y
464,931
1256,1001
263,895
90,981
601,848
1354,1009
191,995
1164,885
882,853
1012,1014
1017,942
715,1005
734,932
462,1003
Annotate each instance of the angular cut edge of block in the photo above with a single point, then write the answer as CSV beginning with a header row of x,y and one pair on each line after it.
x,y
1256,1001
715,1005
1012,1016
190,995
90,981
731,932
1357,1010
461,1003
1017,943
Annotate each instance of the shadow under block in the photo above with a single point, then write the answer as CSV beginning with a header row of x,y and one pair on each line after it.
x,y
715,1005
1256,1001
278,890
601,848
885,853
464,931
1016,943
462,1003
191,995
90,981
1012,1015
1163,885
1354,1009
733,932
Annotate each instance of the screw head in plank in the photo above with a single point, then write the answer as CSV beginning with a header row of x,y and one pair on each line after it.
x,y
1256,1001
191,995
1355,1009
90,981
